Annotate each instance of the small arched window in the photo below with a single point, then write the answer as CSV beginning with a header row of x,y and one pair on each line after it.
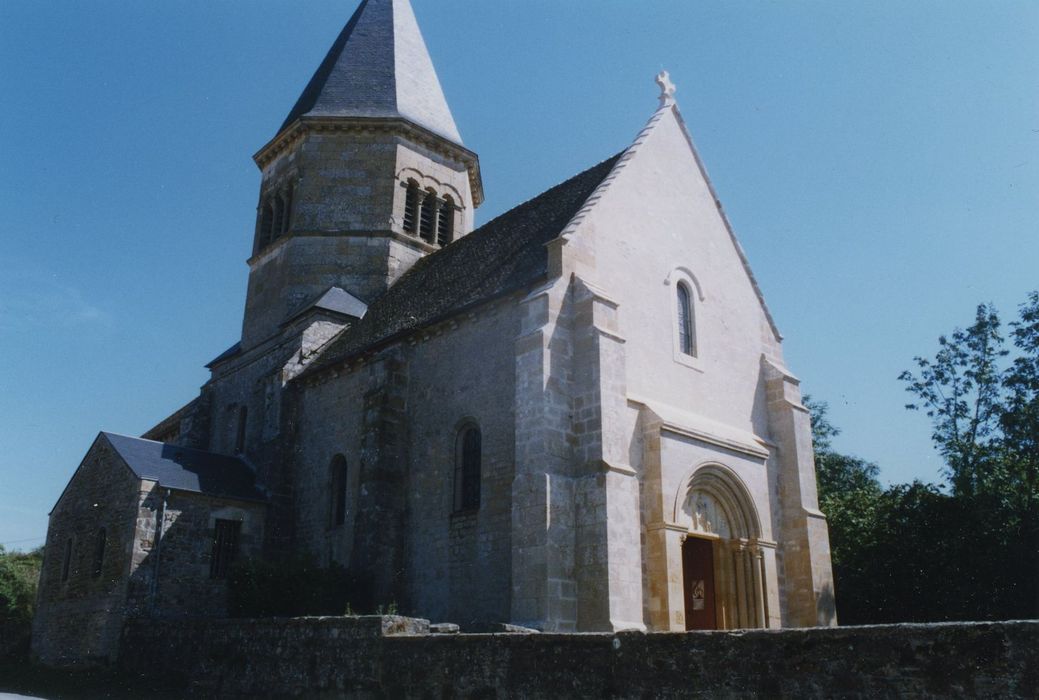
x,y
66,562
279,216
428,217
468,449
686,326
337,493
99,551
411,206
287,209
243,419
446,222
266,223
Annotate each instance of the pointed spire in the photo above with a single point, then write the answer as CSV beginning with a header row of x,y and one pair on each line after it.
x,y
378,67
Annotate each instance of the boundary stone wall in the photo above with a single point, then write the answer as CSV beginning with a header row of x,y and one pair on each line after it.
x,y
389,656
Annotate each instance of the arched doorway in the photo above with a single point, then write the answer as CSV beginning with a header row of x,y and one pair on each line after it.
x,y
723,574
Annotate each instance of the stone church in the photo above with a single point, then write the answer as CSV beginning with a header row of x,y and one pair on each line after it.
x,y
575,417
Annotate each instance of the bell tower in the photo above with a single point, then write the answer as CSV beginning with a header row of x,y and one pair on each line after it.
x,y
366,175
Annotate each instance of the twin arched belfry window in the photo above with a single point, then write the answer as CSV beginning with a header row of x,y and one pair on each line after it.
x,y
428,216
275,216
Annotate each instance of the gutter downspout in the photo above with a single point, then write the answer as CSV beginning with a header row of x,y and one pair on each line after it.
x,y
160,523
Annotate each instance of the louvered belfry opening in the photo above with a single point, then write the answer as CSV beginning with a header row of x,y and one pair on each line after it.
x,y
428,217
411,206
446,222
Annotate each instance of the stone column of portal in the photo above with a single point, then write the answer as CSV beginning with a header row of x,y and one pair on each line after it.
x,y
769,578
803,540
608,520
543,587
663,590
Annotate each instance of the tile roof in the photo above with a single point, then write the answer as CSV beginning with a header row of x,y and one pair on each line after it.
x,y
185,469
378,67
502,256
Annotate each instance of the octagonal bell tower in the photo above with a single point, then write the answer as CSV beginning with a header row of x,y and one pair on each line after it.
x,y
366,175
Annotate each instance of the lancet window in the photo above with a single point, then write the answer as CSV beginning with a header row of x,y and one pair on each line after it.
x,y
337,494
99,551
66,562
686,327
468,457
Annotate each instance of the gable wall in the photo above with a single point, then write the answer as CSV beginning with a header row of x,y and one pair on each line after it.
x,y
81,618
658,215
655,223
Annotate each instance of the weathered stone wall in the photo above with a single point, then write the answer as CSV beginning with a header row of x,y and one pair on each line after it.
x,y
79,617
395,420
173,578
460,563
397,657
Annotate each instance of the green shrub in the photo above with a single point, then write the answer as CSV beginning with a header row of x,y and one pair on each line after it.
x,y
19,575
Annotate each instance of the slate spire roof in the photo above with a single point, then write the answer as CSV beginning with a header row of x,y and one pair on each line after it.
x,y
378,67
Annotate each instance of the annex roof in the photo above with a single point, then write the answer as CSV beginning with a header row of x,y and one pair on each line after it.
x,y
186,469
337,301
504,255
378,67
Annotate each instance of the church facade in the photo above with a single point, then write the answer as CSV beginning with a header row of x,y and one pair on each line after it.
x,y
575,417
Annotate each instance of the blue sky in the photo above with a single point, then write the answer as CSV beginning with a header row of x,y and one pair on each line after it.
x,y
878,160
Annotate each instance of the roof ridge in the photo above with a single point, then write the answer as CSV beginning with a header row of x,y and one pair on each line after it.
x,y
744,261
505,254
425,260
544,193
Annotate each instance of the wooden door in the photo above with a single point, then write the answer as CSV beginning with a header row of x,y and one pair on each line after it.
x,y
698,576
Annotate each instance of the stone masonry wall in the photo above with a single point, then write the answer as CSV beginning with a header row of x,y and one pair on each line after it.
x,y
397,657
184,587
79,616
406,406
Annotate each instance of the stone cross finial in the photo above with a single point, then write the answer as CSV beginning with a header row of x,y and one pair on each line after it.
x,y
667,89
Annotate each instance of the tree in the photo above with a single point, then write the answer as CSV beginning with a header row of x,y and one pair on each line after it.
x,y
19,575
961,390
985,416
849,494
1020,423
1020,419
